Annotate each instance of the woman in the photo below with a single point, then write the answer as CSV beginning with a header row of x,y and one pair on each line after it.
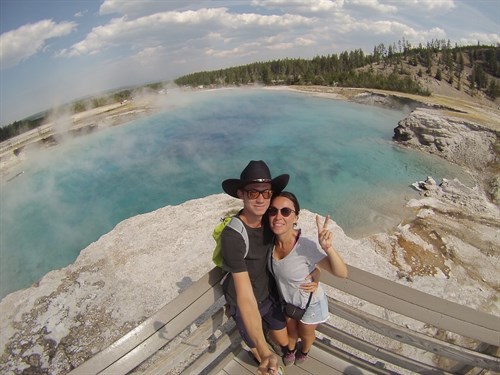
x,y
293,258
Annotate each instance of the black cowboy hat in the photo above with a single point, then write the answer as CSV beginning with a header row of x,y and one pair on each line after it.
x,y
255,171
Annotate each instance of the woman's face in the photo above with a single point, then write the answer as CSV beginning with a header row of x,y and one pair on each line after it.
x,y
279,222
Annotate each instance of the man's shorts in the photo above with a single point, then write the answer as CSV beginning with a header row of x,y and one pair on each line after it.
x,y
272,319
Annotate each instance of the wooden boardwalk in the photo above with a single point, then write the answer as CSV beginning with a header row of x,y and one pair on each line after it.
x,y
192,335
320,362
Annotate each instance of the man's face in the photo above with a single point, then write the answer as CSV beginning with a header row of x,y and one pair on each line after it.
x,y
256,197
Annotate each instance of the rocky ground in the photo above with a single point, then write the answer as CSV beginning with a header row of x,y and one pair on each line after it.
x,y
450,248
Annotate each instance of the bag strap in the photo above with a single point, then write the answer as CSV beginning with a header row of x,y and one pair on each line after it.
x,y
237,225
309,300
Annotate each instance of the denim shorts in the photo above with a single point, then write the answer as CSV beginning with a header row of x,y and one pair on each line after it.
x,y
316,313
272,318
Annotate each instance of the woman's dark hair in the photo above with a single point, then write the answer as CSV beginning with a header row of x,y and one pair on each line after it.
x,y
292,197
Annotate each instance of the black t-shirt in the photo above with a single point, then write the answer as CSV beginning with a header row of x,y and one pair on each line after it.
x,y
255,263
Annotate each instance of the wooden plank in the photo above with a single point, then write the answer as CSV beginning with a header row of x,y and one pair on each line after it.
x,y
184,349
379,352
337,364
238,366
168,332
461,369
246,361
152,325
360,364
226,347
320,362
419,340
418,305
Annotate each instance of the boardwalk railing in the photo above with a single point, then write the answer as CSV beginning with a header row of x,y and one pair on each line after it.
x,y
192,334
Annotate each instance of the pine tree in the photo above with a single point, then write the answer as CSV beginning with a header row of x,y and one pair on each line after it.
x,y
438,74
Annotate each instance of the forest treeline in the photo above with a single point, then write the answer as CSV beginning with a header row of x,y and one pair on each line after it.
x,y
396,67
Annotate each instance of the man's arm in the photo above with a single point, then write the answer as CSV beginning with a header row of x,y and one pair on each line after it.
x,y
249,310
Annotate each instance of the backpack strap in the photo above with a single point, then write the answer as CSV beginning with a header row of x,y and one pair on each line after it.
x,y
237,225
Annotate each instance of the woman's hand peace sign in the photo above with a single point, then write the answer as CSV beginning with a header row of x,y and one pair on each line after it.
x,y
333,262
325,236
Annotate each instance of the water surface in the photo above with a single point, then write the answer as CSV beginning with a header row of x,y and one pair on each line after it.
x,y
340,157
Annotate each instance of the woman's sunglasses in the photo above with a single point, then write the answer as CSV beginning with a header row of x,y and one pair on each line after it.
x,y
285,211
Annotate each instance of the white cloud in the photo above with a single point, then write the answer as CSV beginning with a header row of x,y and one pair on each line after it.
x,y
286,20
389,28
170,27
281,46
150,57
81,13
302,41
143,7
368,27
391,31
487,39
374,5
246,49
424,5
434,33
24,42
301,6
151,52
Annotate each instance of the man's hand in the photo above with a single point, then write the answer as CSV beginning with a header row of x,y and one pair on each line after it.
x,y
311,282
268,365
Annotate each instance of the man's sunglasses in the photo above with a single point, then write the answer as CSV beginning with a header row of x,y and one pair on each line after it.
x,y
254,194
285,211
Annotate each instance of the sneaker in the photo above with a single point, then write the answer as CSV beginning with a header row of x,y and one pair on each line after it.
x,y
289,358
300,357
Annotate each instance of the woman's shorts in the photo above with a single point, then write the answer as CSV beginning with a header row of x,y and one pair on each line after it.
x,y
316,312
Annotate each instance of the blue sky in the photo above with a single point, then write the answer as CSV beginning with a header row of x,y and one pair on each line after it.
x,y
55,51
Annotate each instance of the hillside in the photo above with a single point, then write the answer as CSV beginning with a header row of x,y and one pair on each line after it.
x,y
443,87
469,73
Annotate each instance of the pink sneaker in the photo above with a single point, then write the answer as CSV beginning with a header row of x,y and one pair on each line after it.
x,y
289,358
300,357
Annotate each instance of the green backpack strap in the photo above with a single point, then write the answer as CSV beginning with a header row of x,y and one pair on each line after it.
x,y
234,223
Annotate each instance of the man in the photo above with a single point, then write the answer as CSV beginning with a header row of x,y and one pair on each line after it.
x,y
247,286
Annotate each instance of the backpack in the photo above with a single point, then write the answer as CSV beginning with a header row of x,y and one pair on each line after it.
x,y
234,223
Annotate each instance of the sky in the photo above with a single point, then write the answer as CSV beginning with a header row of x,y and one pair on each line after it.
x,y
55,51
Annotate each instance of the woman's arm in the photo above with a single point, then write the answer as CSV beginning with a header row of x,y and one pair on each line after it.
x,y
333,263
